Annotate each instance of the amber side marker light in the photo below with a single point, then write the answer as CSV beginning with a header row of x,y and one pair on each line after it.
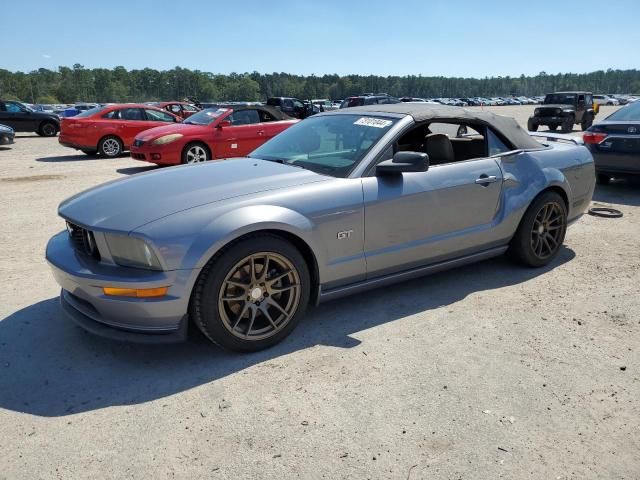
x,y
136,292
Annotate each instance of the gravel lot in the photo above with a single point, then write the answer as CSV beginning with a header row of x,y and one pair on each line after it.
x,y
488,371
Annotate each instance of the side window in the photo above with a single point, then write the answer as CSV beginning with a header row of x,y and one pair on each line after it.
x,y
244,117
495,145
13,107
266,116
112,115
134,114
287,103
174,108
589,99
157,116
298,104
189,108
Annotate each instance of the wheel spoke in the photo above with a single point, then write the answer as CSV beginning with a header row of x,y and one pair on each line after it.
x,y
550,237
275,279
271,301
252,269
236,298
244,286
254,311
242,312
546,243
283,289
265,312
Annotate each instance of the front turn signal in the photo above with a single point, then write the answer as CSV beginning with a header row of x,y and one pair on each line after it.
x,y
136,292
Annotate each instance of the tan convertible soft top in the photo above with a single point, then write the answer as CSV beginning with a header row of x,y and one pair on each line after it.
x,y
506,126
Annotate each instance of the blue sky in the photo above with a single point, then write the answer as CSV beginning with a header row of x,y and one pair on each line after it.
x,y
448,38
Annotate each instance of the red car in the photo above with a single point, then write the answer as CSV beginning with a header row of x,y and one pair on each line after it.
x,y
181,109
211,134
110,130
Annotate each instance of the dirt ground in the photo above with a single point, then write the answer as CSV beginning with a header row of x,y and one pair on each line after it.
x,y
488,371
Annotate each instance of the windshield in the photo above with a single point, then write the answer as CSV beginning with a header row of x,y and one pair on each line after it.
x,y
330,145
205,117
560,98
91,111
629,113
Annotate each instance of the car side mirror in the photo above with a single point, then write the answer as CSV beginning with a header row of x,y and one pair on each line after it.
x,y
223,124
404,162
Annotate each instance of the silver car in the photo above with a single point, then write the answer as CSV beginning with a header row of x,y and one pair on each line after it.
x,y
339,203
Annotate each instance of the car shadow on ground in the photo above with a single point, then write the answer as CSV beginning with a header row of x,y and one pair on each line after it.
x,y
134,170
622,191
2,149
67,158
49,367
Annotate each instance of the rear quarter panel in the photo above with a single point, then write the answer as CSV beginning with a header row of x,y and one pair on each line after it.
x,y
526,174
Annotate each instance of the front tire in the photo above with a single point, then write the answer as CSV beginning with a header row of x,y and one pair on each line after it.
x,y
48,129
541,231
567,125
553,127
532,126
110,147
195,153
252,294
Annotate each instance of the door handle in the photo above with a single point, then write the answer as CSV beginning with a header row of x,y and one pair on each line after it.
x,y
260,132
485,180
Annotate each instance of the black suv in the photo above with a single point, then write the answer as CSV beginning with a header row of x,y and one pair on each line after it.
x,y
292,106
368,99
564,109
22,119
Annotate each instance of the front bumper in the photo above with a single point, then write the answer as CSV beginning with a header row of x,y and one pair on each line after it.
x,y
549,120
82,280
158,154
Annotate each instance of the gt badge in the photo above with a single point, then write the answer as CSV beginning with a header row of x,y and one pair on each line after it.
x,y
344,234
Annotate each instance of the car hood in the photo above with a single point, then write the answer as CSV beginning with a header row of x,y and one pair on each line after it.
x,y
557,105
126,204
183,128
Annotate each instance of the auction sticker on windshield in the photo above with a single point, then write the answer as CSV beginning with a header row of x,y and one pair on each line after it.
x,y
373,122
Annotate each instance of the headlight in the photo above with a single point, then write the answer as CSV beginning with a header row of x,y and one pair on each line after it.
x,y
536,111
167,139
132,252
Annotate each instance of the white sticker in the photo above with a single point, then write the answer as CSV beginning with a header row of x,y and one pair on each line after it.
x,y
373,122
234,145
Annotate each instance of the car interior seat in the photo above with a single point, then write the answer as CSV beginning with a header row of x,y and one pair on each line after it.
x,y
439,148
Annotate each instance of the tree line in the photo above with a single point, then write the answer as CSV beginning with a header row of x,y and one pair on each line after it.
x,y
69,85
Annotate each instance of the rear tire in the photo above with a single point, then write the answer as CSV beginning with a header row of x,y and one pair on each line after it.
x,y
587,121
603,179
48,129
532,126
541,231
252,294
110,147
195,152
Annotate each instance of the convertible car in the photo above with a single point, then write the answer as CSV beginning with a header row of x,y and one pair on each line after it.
x,y
210,135
338,203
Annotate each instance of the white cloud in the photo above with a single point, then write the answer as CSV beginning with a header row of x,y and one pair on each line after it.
x,y
44,55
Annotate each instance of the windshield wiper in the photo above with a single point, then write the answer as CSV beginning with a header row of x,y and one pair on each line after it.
x,y
282,161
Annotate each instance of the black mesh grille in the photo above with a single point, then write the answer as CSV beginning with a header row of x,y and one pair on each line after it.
x,y
549,112
83,240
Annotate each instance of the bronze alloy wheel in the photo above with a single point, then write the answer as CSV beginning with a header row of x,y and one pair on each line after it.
x,y
548,230
259,296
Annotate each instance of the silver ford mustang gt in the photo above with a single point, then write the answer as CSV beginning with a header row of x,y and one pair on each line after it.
x,y
341,202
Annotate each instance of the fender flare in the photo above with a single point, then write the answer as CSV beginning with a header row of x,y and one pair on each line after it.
x,y
246,220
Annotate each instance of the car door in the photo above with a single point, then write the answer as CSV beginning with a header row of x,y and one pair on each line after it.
x,y
241,137
419,218
132,122
157,118
17,117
